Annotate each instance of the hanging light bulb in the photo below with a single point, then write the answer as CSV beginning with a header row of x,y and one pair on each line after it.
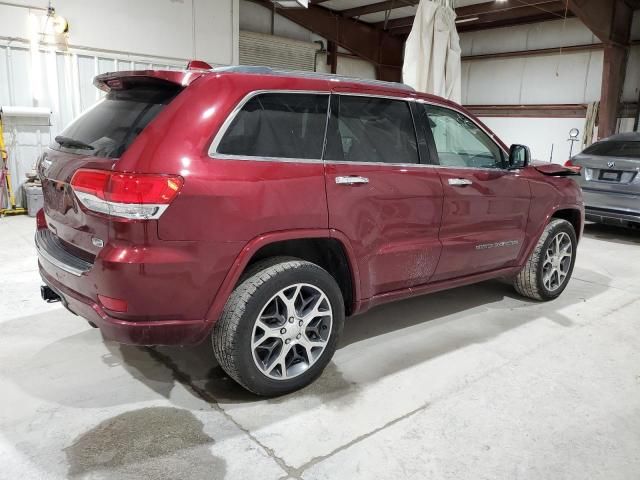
x,y
60,24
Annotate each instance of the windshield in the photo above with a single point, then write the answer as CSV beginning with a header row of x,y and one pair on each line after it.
x,y
111,125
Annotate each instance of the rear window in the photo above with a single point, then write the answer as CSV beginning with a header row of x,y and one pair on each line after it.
x,y
278,125
363,129
111,125
614,149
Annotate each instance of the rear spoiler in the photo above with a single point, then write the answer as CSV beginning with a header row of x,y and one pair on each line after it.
x,y
554,170
125,80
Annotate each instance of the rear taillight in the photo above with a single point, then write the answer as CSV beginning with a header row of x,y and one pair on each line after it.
x,y
572,166
41,221
128,195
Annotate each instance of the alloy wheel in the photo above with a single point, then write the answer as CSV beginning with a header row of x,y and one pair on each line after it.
x,y
291,331
557,261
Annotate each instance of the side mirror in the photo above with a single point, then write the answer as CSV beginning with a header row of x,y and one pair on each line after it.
x,y
519,156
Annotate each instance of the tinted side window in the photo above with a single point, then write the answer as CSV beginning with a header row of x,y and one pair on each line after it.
x,y
363,129
460,142
283,125
614,149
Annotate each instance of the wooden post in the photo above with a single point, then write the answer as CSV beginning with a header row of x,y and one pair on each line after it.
x,y
332,56
613,74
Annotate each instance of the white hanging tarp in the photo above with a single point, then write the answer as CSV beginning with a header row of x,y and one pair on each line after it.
x,y
432,51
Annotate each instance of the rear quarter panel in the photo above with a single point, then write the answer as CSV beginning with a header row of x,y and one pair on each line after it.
x,y
224,203
226,200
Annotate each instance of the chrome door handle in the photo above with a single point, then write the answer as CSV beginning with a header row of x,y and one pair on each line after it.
x,y
459,182
351,180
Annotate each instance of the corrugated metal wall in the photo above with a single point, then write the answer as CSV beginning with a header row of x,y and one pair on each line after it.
x,y
276,52
60,81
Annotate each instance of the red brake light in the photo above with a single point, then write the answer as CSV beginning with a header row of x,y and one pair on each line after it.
x,y
124,194
569,164
137,188
41,221
93,182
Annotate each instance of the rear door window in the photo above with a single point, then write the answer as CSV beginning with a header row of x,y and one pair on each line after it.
x,y
614,149
371,129
278,125
110,126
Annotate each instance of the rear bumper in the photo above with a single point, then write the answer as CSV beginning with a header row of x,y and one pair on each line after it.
x,y
168,287
618,207
160,332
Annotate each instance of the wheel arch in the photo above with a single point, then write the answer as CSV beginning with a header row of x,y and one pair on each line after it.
x,y
326,248
571,215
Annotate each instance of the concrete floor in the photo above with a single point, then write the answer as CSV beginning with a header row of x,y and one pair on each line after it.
x,y
474,383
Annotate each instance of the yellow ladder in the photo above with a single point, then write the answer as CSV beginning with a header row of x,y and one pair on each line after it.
x,y
12,210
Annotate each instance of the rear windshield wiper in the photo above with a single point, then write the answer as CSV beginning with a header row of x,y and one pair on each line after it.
x,y
72,143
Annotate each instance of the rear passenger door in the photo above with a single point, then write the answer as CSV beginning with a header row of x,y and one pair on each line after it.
x,y
486,206
380,196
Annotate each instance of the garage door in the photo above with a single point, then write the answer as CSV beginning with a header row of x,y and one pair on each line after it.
x,y
276,52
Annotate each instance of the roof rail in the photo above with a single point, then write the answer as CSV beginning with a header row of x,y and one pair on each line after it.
x,y
259,70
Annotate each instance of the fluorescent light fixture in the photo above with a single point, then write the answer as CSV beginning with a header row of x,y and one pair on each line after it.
x,y
292,3
470,19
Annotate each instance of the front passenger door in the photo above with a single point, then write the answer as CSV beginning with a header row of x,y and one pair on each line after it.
x,y
486,206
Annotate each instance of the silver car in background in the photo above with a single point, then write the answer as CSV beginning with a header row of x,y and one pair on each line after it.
x,y
610,179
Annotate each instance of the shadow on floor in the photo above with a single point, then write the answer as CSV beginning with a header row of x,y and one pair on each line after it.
x,y
442,324
613,233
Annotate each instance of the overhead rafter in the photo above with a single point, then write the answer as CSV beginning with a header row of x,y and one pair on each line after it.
x,y
490,15
363,39
377,7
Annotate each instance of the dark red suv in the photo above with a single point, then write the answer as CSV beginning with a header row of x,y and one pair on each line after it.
x,y
259,208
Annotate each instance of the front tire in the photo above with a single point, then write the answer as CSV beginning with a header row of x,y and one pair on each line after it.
x,y
280,326
549,268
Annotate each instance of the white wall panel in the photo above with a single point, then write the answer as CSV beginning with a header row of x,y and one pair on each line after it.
x,y
566,77
555,78
348,66
464,76
552,78
542,135
559,33
20,78
494,82
14,21
494,40
555,33
594,77
178,29
4,78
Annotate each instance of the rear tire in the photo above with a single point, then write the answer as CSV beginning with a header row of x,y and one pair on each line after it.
x,y
549,268
280,326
